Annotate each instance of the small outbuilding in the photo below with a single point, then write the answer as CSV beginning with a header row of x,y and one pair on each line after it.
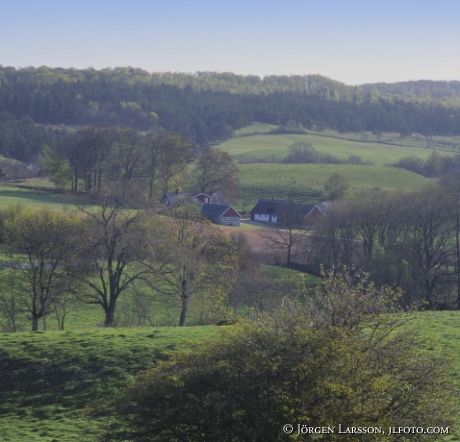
x,y
171,199
223,214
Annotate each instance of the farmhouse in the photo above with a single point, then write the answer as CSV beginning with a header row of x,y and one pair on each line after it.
x,y
221,214
286,212
171,199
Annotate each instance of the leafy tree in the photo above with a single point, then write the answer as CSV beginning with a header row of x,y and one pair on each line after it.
x,y
215,170
433,164
346,359
413,232
196,261
128,155
426,240
45,246
336,187
300,153
412,163
56,168
175,152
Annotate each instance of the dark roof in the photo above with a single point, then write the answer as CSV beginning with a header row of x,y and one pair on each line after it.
x,y
326,206
265,207
215,197
173,197
216,210
275,207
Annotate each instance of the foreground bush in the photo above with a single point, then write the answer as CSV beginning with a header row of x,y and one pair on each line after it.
x,y
341,361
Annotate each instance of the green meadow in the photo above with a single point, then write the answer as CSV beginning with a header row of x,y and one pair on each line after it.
x,y
255,128
447,144
35,199
247,148
48,381
304,182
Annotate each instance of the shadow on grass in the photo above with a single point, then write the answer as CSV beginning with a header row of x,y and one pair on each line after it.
x,y
69,381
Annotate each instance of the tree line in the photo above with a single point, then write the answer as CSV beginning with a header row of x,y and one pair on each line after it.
x,y
434,166
113,250
155,162
21,139
134,98
408,240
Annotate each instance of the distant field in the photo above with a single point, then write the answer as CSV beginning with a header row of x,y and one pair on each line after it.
x,y
254,129
304,182
33,198
260,146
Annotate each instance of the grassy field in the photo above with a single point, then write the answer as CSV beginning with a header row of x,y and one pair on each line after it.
x,y
255,128
47,380
279,274
33,198
446,143
304,182
246,148
156,310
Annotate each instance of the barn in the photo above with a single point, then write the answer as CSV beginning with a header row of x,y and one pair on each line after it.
x,y
221,214
286,212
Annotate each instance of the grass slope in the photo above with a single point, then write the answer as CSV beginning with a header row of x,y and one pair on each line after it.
x,y
304,182
47,379
259,146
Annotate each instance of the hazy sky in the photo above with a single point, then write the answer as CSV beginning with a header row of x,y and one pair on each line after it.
x,y
354,41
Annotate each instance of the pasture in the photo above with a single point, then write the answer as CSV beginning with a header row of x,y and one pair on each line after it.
x,y
34,199
304,182
49,380
247,148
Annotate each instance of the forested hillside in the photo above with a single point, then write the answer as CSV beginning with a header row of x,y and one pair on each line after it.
x,y
22,139
209,106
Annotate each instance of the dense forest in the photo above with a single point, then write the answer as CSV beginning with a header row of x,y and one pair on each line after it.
x,y
22,139
208,106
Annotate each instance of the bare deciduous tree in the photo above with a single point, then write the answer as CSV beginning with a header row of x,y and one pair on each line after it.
x,y
118,242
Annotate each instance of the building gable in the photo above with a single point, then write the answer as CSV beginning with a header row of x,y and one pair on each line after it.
x,y
230,213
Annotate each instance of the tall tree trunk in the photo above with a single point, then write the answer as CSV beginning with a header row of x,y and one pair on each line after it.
x,y
151,189
35,319
110,315
183,315
289,249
